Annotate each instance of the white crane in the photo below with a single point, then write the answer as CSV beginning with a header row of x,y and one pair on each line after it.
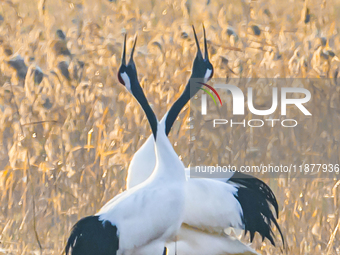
x,y
142,219
211,206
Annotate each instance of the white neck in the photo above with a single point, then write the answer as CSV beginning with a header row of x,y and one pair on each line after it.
x,y
168,165
143,161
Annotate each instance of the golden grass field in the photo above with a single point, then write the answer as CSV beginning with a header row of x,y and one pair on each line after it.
x,y
66,143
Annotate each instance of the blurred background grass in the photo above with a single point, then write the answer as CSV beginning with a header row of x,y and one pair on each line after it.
x,y
66,142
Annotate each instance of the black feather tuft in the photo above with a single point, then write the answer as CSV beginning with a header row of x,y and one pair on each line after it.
x,y
255,198
90,236
256,185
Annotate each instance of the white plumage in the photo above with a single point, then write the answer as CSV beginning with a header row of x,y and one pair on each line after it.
x,y
153,210
211,206
192,241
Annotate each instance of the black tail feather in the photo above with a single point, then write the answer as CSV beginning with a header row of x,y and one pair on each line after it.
x,y
256,185
90,236
255,198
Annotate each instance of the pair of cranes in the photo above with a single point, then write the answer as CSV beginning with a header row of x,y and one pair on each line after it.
x,y
163,212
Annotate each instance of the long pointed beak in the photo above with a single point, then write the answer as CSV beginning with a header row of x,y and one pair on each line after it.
x,y
133,50
199,53
124,52
206,55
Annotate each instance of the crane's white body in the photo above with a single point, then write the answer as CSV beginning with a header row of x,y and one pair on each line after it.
x,y
193,241
210,208
151,213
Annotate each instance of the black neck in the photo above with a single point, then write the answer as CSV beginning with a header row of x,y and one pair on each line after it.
x,y
177,107
138,93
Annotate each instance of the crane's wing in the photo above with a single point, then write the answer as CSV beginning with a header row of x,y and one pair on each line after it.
x,y
213,205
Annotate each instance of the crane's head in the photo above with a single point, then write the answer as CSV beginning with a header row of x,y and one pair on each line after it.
x,y
127,76
128,72
202,68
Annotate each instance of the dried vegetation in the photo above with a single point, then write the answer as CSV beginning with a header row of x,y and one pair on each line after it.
x,y
68,130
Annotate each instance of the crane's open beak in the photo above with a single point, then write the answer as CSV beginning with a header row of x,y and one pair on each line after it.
x,y
124,52
199,53
132,51
206,55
